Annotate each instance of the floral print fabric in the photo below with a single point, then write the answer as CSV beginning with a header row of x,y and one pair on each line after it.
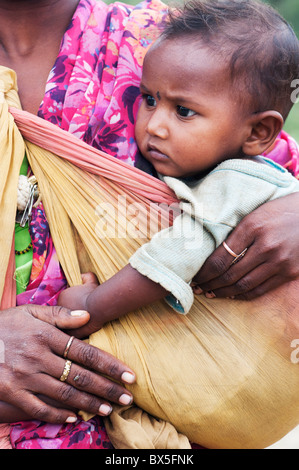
x,y
80,435
47,278
93,88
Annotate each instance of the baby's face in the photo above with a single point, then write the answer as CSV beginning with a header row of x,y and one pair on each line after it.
x,y
189,120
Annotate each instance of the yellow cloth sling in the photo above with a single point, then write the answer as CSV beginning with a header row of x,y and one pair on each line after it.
x,y
223,375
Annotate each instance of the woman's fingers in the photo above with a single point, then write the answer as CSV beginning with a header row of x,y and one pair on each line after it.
x,y
91,382
218,271
242,275
95,376
81,352
83,389
219,263
42,411
224,279
245,280
242,286
261,289
271,235
100,361
33,367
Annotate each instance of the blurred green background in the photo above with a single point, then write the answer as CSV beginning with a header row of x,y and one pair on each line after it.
x,y
290,11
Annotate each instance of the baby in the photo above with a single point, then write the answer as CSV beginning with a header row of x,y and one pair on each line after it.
x,y
216,89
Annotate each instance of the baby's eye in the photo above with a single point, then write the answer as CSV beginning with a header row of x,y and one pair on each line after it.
x,y
150,100
185,112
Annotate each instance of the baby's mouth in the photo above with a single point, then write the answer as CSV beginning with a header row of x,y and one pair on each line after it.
x,y
156,153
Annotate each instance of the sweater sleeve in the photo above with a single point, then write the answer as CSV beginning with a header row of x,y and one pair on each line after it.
x,y
211,208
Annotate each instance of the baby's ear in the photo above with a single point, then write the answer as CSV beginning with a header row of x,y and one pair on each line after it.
x,y
265,127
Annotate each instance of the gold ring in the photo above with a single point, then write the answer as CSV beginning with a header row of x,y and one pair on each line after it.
x,y
66,371
69,343
231,252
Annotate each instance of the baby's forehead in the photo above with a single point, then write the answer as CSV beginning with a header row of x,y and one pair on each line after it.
x,y
183,51
190,59
194,69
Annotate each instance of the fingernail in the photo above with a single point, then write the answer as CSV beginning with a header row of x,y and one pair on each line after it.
x,y
197,290
78,313
210,295
105,409
71,419
128,377
125,399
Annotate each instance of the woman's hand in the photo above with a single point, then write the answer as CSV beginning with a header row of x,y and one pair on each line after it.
x,y
32,363
271,234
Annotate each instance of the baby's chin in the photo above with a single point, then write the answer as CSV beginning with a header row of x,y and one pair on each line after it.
x,y
167,170
173,173
166,167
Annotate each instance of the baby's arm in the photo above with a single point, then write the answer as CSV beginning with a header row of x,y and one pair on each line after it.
x,y
124,292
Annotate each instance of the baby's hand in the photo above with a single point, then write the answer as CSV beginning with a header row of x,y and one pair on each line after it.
x,y
75,297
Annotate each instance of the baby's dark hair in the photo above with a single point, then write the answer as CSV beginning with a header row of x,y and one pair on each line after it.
x,y
261,47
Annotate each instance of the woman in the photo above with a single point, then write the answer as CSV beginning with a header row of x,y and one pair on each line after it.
x,y
91,91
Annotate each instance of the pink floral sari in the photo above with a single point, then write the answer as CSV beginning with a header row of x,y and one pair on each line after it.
x,y
92,92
